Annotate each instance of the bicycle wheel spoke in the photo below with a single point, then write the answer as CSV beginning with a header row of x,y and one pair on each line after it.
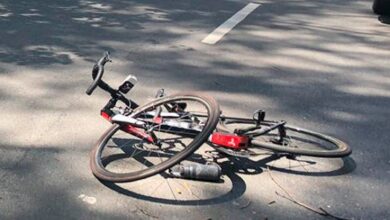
x,y
170,188
163,137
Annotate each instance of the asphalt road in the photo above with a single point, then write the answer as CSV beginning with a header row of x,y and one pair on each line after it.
x,y
322,64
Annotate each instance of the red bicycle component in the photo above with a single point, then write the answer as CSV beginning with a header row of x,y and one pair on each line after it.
x,y
158,120
105,115
131,129
229,140
137,132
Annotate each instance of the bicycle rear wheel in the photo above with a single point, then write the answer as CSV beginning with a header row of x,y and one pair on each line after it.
x,y
121,157
297,141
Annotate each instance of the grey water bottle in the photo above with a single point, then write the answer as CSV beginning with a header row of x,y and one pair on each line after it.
x,y
196,171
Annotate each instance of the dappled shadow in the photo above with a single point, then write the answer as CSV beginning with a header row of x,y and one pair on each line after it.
x,y
231,168
320,64
237,188
27,177
348,166
86,29
40,33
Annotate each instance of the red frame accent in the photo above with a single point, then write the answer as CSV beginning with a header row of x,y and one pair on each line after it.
x,y
229,140
137,132
105,115
158,120
130,129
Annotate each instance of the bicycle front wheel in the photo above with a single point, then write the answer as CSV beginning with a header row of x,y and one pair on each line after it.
x,y
120,156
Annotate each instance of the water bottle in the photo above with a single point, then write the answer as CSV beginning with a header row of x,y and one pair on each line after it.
x,y
196,171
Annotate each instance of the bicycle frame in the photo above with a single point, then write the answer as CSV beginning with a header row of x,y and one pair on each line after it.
x,y
236,140
135,126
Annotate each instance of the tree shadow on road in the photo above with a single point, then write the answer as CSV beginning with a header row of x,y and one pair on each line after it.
x,y
232,168
323,64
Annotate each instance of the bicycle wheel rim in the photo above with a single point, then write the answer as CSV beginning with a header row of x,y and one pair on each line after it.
x,y
303,142
99,167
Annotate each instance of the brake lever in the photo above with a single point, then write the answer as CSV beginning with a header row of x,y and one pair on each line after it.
x,y
107,57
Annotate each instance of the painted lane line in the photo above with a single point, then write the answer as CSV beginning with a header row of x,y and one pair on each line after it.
x,y
229,24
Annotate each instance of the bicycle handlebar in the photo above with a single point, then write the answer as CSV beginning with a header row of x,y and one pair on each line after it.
x,y
97,72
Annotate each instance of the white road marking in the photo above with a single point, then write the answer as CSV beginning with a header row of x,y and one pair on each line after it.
x,y
229,24
87,199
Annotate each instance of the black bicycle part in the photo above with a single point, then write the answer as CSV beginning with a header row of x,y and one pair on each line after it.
x,y
125,87
116,94
97,72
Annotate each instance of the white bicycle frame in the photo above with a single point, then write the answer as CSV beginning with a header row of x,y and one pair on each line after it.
x,y
120,118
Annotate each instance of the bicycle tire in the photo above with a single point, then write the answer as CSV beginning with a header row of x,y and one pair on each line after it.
x,y
340,148
98,167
